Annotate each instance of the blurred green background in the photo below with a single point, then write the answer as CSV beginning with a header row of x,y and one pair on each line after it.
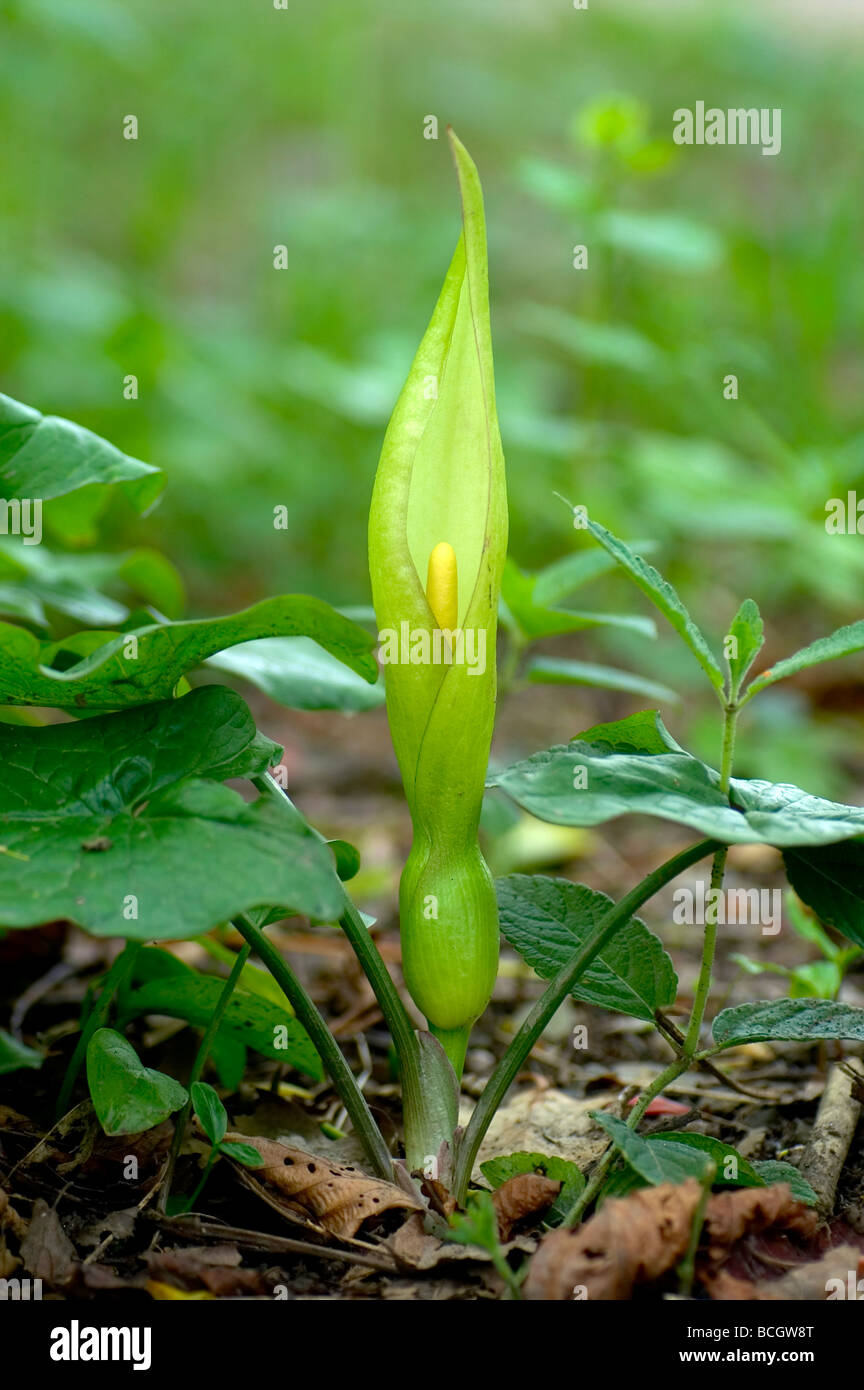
x,y
304,127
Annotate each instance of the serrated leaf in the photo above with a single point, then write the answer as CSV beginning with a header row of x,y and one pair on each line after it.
x,y
548,919
44,456
787,1020
127,1096
126,672
830,879
747,631
113,823
635,766
843,642
297,673
664,598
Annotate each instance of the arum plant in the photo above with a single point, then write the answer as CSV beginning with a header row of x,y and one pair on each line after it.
x,y
122,823
437,544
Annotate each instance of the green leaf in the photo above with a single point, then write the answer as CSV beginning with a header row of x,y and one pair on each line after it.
x,y
664,597
771,1171
556,581
210,1111
256,1022
127,1096
656,1163
830,879
498,1170
15,1055
129,672
242,1153
347,859
635,766
787,1020
109,823
548,919
746,630
723,1155
43,456
843,642
297,673
532,620
548,670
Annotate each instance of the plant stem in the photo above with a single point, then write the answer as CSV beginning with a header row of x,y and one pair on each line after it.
x,y
718,870
187,1206
687,1268
198,1068
337,1068
549,1002
114,980
604,1163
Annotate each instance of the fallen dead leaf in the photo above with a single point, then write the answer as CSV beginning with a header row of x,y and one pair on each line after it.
x,y
46,1250
806,1283
633,1240
520,1197
338,1197
639,1238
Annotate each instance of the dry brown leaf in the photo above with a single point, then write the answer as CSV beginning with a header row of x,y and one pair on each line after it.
x,y
339,1197
46,1250
524,1195
750,1210
632,1240
806,1283
637,1239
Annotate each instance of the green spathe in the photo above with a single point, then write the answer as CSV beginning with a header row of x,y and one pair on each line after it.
x,y
441,478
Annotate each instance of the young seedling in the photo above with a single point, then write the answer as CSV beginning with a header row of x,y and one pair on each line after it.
x,y
213,1118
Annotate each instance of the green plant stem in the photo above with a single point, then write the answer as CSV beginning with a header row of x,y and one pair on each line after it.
x,y
604,1163
198,1066
211,1159
687,1268
114,980
718,871
337,1068
552,998
423,1133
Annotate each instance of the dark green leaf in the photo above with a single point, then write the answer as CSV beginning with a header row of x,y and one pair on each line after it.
x,y
255,1021
656,1163
787,1020
109,817
127,1096
548,919
210,1111
635,766
772,1171
242,1153
147,664
732,1169
830,879
498,1170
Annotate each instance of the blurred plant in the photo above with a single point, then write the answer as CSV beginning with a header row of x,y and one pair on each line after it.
x,y
821,979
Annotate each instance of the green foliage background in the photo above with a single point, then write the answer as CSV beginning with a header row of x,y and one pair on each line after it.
x,y
304,127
